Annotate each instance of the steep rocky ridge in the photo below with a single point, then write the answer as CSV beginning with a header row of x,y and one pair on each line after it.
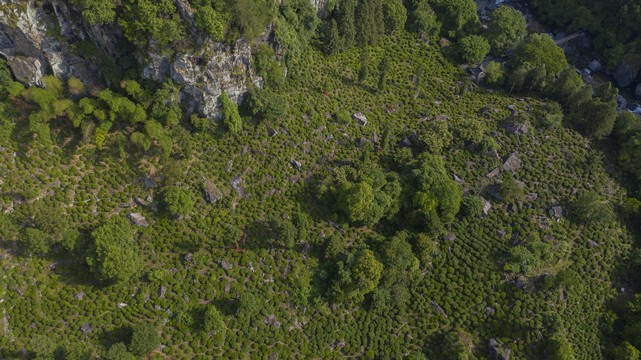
x,y
36,40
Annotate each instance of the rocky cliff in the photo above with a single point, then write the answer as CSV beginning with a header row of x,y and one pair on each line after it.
x,y
36,39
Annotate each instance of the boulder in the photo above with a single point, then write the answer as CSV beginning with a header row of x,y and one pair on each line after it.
x,y
621,103
236,183
627,71
506,354
362,119
148,182
487,206
531,196
162,290
593,243
501,233
489,310
80,295
520,281
492,154
271,320
86,329
595,66
226,265
556,212
518,128
121,305
493,347
271,132
297,164
450,236
138,219
512,162
211,191
493,173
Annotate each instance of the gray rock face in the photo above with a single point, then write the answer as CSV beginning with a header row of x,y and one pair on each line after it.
x,y
206,73
438,308
30,49
621,103
156,68
512,162
236,183
637,91
86,329
80,295
138,219
626,73
487,206
493,347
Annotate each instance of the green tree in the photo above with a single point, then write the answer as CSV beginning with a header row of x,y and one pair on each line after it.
x,y
383,71
423,19
457,345
473,48
395,15
598,118
436,136
625,351
539,50
264,104
506,28
51,220
472,206
457,15
210,22
345,17
364,64
332,41
119,351
230,119
495,74
5,74
367,271
144,339
356,200
37,241
371,24
590,208
112,256
213,321
42,347
626,125
247,304
179,201
511,191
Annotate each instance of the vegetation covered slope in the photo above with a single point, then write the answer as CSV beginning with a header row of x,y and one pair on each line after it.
x,y
277,297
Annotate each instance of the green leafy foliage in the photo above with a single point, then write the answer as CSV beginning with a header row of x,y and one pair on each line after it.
x,y
506,28
473,48
112,257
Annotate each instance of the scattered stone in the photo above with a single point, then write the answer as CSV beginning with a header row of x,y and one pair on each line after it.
x,y
162,290
501,233
556,211
493,173
375,138
458,180
273,356
425,39
506,354
362,119
593,243
80,295
271,132
595,65
86,329
531,196
121,305
226,265
520,282
227,288
450,236
438,308
189,257
138,219
512,162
